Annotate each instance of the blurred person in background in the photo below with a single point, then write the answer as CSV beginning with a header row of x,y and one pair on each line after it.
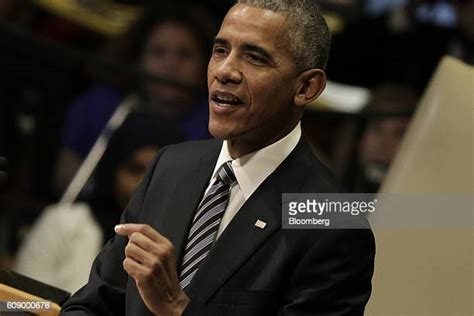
x,y
36,84
173,43
63,242
387,117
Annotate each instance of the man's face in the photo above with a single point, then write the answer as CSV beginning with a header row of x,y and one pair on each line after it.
x,y
251,80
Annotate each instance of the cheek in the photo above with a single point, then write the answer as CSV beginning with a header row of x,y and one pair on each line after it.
x,y
194,70
131,184
153,65
367,146
270,99
210,72
271,84
126,183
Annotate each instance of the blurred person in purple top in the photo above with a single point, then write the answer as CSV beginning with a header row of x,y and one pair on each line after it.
x,y
172,43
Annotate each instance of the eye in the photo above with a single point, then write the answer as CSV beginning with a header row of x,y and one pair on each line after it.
x,y
155,51
186,54
219,50
255,59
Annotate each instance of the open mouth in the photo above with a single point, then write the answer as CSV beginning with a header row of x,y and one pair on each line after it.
x,y
226,99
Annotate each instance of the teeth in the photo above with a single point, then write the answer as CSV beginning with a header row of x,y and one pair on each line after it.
x,y
227,98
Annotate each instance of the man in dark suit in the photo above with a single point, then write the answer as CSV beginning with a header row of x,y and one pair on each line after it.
x,y
202,234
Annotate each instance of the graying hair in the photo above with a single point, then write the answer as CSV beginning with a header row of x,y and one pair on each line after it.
x,y
308,33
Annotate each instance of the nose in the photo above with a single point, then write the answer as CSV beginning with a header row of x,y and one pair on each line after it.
x,y
228,71
171,63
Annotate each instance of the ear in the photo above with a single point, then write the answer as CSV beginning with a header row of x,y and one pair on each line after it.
x,y
310,84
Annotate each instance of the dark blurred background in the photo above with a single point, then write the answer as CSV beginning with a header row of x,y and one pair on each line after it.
x,y
66,65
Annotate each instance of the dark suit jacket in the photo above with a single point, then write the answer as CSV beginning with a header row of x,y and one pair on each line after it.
x,y
249,271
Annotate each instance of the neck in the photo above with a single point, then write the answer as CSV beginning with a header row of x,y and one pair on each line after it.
x,y
243,146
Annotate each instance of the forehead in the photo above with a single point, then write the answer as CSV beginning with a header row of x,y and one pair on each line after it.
x,y
254,25
170,29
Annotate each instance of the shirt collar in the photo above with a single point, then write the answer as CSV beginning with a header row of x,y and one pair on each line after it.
x,y
252,169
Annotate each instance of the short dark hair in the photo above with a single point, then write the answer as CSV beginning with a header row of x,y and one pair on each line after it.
x,y
309,35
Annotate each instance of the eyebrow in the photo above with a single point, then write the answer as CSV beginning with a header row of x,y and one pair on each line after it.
x,y
248,47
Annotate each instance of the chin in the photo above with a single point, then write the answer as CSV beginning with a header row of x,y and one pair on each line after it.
x,y
220,130
217,130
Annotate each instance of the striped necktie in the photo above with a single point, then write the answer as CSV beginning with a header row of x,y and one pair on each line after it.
x,y
206,222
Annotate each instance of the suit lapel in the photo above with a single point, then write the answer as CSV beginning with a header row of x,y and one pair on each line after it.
x,y
242,238
185,199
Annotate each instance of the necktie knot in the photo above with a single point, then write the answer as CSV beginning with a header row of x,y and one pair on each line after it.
x,y
226,173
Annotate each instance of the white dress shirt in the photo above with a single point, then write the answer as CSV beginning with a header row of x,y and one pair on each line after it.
x,y
251,170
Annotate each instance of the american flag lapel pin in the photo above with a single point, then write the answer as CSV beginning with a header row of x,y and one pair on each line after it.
x,y
260,224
